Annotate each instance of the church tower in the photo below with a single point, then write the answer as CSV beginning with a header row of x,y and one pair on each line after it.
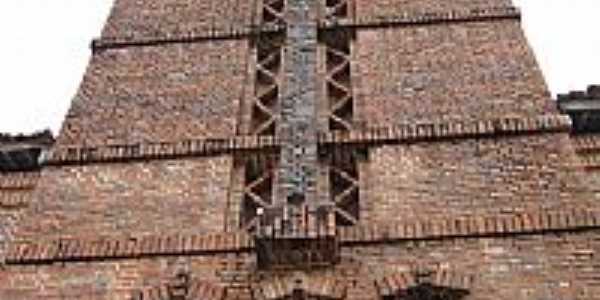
x,y
304,149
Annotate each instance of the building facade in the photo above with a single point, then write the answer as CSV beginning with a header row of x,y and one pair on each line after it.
x,y
301,149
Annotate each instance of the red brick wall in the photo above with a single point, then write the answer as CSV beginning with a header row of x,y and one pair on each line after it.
x,y
588,149
474,177
15,195
159,197
175,18
553,266
158,94
112,280
447,72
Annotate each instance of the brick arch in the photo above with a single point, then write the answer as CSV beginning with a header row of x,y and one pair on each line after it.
x,y
318,287
395,285
182,287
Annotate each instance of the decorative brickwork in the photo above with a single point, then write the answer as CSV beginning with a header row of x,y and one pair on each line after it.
x,y
301,149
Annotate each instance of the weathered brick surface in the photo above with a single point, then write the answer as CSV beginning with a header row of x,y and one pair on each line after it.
x,y
158,94
15,195
474,177
470,181
555,266
175,18
447,72
588,151
113,280
162,197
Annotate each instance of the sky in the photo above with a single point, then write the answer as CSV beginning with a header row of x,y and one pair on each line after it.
x,y
44,50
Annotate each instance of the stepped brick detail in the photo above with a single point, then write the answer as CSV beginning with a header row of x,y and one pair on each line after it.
x,y
302,149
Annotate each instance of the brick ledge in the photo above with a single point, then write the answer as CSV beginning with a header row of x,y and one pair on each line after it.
x,y
19,180
472,227
77,250
393,134
427,18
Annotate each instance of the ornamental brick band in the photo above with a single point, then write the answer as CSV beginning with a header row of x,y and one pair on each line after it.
x,y
407,19
379,135
74,250
19,180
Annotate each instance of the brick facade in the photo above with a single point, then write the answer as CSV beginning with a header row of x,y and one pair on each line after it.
x,y
423,159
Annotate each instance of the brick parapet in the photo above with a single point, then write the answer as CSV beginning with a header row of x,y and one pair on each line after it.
x,y
377,135
80,250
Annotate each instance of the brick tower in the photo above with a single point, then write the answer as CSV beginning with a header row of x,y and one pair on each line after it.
x,y
304,149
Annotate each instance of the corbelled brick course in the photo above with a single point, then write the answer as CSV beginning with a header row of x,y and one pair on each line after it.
x,y
466,179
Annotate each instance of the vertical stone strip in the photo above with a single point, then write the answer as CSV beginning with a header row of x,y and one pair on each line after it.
x,y
298,126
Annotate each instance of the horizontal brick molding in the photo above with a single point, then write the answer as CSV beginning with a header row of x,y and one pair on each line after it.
x,y
326,287
195,290
398,283
472,227
74,250
379,135
13,200
119,153
18,180
235,31
422,18
591,162
586,143
588,148
440,131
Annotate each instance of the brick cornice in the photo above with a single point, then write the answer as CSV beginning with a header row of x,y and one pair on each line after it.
x,y
392,134
473,227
